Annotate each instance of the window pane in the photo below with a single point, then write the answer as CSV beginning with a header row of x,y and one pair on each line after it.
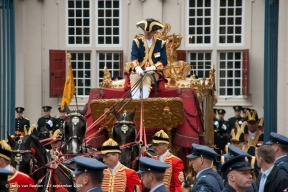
x,y
201,61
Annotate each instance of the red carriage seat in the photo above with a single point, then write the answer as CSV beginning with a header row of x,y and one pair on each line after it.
x,y
160,83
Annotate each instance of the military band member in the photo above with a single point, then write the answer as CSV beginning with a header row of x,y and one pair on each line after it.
x,y
88,174
21,122
152,174
255,135
117,177
279,143
238,173
237,116
4,184
149,54
206,179
221,132
60,121
244,115
173,176
18,181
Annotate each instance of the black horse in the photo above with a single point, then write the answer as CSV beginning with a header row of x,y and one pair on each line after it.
x,y
124,132
30,157
74,131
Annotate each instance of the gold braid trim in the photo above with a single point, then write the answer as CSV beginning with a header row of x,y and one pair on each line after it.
x,y
168,172
252,166
115,182
137,42
256,138
222,160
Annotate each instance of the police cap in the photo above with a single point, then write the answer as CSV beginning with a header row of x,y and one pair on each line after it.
x,y
91,165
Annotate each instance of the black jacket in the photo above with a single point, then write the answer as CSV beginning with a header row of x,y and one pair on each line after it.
x,y
276,181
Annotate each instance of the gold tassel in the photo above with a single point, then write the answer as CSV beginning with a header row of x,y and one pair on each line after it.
x,y
32,127
25,129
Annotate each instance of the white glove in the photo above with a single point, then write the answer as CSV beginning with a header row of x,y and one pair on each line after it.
x,y
216,123
239,122
224,127
150,70
139,70
50,123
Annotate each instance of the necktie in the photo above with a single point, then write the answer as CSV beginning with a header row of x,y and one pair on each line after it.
x,y
262,183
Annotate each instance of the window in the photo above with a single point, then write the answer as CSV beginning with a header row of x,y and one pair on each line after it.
x,y
113,61
201,63
108,22
230,21
81,65
199,20
78,22
230,73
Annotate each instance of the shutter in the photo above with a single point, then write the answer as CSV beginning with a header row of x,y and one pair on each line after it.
x,y
181,55
57,72
121,64
245,72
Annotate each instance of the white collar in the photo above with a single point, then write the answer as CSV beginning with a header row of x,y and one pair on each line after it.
x,y
157,186
252,134
149,42
8,167
161,157
115,168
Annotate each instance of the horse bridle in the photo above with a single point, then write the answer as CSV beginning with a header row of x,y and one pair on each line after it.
x,y
75,120
18,157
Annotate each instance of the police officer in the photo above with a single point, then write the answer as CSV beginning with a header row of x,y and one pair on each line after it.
x,y
238,172
46,120
233,151
215,115
4,184
221,132
152,174
21,122
60,121
279,143
237,117
206,179
88,174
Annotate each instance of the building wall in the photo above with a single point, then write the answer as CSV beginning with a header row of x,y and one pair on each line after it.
x,y
41,26
282,102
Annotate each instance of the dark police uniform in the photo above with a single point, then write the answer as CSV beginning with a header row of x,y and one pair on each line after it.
x,y
153,166
221,132
43,121
281,162
20,123
60,121
244,110
234,152
236,163
232,120
215,112
207,180
89,165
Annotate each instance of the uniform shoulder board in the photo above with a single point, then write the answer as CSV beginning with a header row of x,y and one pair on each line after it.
x,y
26,118
137,42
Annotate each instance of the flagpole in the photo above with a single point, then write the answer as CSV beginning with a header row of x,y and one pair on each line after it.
x,y
76,100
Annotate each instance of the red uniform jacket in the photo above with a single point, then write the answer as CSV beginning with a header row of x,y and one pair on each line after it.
x,y
122,180
174,176
20,182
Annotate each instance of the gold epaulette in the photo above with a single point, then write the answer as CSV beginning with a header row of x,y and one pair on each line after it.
x,y
26,118
137,42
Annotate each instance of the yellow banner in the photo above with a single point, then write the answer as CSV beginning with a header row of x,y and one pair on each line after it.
x,y
69,88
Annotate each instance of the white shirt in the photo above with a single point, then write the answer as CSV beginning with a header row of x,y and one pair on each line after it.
x,y
252,134
161,157
149,42
201,172
115,168
154,188
280,157
243,147
7,167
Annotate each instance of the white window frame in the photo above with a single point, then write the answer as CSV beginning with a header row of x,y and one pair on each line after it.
x,y
67,30
226,69
211,25
193,71
120,27
242,27
99,70
83,78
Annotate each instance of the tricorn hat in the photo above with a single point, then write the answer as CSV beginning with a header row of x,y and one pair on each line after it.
x,y
5,150
149,25
252,116
110,146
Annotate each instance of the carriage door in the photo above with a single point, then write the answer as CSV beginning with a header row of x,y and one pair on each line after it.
x,y
7,67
